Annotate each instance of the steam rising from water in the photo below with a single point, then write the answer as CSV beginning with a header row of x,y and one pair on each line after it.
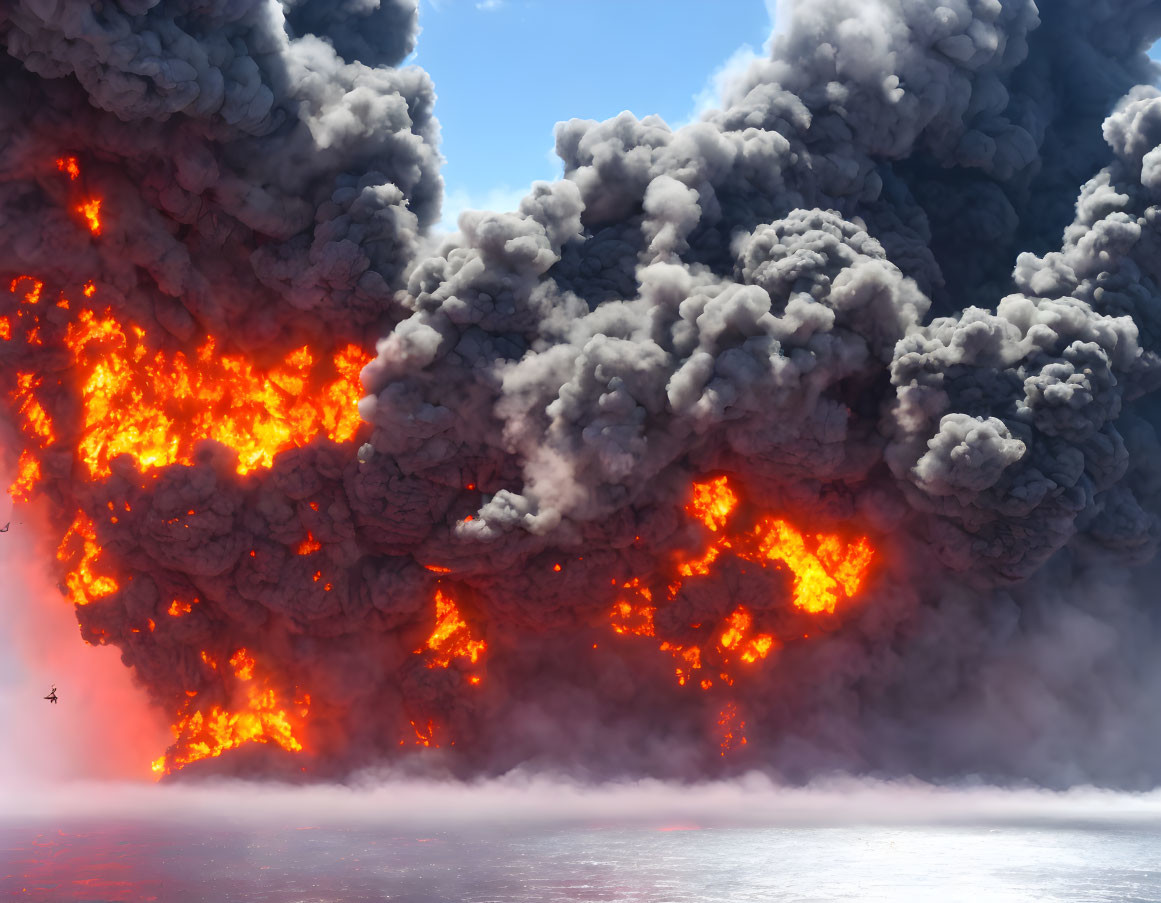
x,y
520,801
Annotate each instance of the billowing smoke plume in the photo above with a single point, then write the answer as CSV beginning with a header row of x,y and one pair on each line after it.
x,y
814,435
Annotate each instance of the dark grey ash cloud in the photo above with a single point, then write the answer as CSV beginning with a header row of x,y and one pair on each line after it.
x,y
904,282
267,180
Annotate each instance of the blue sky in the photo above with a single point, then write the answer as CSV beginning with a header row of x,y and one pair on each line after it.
x,y
506,71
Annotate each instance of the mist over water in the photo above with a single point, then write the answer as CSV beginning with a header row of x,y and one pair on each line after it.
x,y
538,841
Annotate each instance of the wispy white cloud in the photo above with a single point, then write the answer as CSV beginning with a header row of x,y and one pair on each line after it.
x,y
772,10
489,5
710,96
498,199
716,85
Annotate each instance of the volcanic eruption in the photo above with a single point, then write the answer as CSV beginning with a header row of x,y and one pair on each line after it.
x,y
816,435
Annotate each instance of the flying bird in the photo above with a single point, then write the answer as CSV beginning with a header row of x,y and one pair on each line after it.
x,y
51,697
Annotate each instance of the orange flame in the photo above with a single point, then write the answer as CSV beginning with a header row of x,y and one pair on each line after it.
x,y
79,552
27,476
634,619
177,608
309,545
732,728
712,503
262,719
32,296
69,165
243,664
826,571
451,638
831,571
156,406
91,211
425,734
35,419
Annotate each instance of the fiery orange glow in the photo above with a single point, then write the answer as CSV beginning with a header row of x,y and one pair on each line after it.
x,y
451,638
832,570
634,619
732,728
91,211
712,503
157,406
826,568
69,165
27,476
737,637
178,607
243,664
424,734
35,287
825,571
308,546
79,552
262,718
35,420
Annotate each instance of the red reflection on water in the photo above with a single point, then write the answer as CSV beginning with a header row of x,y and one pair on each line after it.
x,y
78,866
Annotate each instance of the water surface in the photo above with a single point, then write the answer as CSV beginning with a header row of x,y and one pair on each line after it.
x,y
142,859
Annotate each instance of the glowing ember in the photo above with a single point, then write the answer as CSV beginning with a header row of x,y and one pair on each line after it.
x,y
712,503
91,211
69,165
826,570
308,546
262,719
243,664
27,476
731,728
634,619
178,607
35,421
451,637
35,287
832,570
79,552
424,734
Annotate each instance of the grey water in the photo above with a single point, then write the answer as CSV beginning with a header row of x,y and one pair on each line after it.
x,y
143,860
